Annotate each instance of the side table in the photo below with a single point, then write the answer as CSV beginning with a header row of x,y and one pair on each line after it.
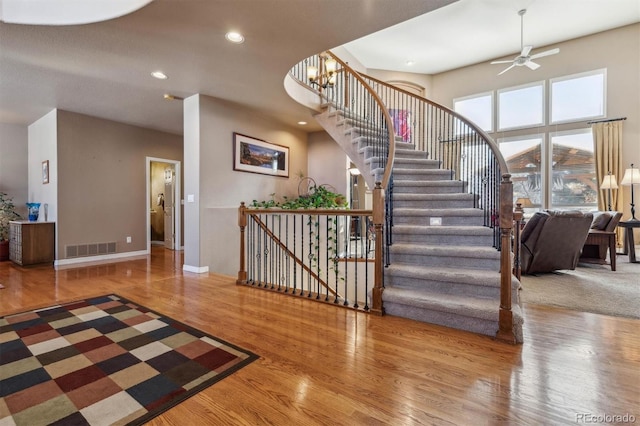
x,y
629,244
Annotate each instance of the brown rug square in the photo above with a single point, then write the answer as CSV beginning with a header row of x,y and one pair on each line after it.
x,y
105,360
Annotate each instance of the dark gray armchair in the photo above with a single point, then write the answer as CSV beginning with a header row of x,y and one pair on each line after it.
x,y
553,240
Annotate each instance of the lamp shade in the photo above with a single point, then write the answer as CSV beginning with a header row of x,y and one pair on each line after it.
x,y
524,202
631,176
330,65
312,73
609,182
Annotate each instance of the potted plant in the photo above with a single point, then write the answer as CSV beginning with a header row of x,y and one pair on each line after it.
x,y
7,214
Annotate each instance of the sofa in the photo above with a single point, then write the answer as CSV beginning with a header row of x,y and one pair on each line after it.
x,y
553,240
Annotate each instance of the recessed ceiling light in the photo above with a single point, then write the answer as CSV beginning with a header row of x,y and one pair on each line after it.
x,y
170,97
159,75
234,37
410,62
302,123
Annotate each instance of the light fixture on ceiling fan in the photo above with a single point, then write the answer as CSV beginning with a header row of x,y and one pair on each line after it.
x,y
525,59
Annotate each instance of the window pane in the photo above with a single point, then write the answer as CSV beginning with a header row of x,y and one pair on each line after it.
x,y
573,184
521,107
578,98
478,109
523,157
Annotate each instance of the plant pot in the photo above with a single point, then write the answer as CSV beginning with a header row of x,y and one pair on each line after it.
x,y
4,250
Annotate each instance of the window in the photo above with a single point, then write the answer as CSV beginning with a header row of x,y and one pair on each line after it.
x,y
578,97
524,159
521,106
477,108
573,181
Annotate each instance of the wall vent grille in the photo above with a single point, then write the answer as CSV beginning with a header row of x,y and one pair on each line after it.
x,y
92,249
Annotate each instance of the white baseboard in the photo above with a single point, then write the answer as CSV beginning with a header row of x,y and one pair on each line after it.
x,y
196,269
101,258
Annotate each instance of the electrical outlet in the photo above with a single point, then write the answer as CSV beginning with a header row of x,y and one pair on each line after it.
x,y
128,240
435,221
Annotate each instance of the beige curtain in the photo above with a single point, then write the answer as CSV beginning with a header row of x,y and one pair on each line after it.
x,y
607,143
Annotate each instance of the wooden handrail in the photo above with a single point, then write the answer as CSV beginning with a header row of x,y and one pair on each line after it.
x,y
494,147
387,118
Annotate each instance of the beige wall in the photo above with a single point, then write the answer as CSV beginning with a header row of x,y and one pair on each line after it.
x,y
13,161
617,50
102,180
42,147
211,223
327,162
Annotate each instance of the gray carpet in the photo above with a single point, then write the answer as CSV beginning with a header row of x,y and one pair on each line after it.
x,y
590,288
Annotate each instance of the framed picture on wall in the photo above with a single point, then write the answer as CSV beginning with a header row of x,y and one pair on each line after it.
x,y
45,171
258,156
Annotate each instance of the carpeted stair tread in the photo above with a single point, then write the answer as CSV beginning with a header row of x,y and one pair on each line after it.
x,y
406,182
478,277
433,197
472,306
454,252
407,211
413,163
440,230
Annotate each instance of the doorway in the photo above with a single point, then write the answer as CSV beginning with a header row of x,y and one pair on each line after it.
x,y
163,203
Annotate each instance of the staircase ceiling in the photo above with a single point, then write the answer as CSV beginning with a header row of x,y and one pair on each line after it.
x,y
103,69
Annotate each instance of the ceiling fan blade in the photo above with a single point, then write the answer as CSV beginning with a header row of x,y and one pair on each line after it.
x,y
545,53
507,69
526,50
532,65
501,62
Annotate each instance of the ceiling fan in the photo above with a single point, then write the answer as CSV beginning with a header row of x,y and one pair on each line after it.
x,y
525,58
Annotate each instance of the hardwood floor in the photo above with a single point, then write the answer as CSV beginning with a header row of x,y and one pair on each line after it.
x,y
320,365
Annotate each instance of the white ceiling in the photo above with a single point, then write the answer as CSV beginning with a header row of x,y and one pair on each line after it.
x,y
103,69
472,31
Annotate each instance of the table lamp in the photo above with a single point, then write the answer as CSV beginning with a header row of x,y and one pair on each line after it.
x,y
631,177
609,182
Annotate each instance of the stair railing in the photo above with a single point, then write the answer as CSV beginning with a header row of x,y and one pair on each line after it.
x,y
325,255
444,135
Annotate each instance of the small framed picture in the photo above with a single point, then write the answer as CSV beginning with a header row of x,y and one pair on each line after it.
x,y
258,156
45,171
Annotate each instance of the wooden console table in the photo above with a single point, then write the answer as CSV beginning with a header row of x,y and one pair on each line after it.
x,y
629,244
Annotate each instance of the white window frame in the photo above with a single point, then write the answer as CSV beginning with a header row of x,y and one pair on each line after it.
x,y
541,84
491,111
602,71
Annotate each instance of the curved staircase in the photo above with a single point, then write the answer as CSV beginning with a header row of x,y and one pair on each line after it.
x,y
443,266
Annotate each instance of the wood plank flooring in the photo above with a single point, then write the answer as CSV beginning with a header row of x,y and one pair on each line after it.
x,y
325,366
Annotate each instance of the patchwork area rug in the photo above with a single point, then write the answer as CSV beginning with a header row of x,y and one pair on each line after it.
x,y
104,361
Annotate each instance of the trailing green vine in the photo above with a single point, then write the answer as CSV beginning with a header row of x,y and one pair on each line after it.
x,y
319,197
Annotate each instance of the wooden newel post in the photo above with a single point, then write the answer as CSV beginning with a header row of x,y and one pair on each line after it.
x,y
378,223
505,319
242,223
518,214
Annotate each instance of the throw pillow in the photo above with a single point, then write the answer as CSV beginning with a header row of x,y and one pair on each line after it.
x,y
600,221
